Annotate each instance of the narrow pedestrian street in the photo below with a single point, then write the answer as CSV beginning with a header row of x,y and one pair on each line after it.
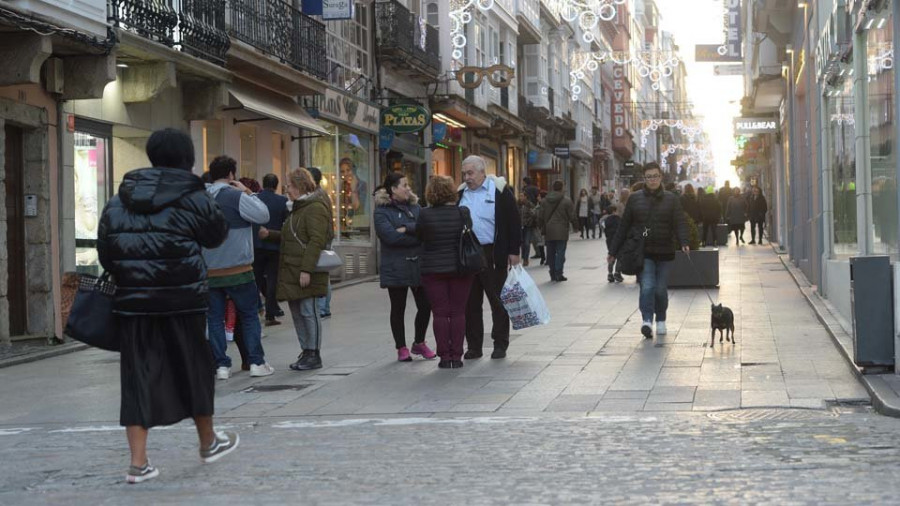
x,y
582,410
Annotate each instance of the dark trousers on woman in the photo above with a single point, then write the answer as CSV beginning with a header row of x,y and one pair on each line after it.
x,y
526,243
488,282
448,294
398,313
584,223
754,225
709,233
265,269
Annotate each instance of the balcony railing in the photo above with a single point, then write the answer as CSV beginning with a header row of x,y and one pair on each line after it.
x,y
531,10
278,29
400,30
195,27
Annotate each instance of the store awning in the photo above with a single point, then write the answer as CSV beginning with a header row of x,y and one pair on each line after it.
x,y
277,107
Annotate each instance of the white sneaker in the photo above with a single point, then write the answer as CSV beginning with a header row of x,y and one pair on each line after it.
x,y
263,369
660,328
223,373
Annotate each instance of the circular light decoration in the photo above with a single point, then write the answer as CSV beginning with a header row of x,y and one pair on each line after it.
x,y
461,15
651,125
588,13
653,65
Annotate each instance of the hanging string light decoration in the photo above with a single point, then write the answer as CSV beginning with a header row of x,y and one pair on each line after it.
x,y
652,125
460,16
653,65
588,13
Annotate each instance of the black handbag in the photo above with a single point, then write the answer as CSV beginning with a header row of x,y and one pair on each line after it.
x,y
631,255
91,320
471,255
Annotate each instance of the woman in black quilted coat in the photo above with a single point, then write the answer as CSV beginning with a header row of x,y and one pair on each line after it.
x,y
150,240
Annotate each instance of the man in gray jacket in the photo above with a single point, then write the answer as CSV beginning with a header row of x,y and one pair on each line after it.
x,y
230,268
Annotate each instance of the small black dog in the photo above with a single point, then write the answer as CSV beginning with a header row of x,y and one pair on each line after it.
x,y
722,319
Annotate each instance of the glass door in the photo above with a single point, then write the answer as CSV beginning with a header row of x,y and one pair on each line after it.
x,y
93,187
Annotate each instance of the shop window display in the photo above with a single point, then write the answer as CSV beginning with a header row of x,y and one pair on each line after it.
x,y
881,131
842,151
91,194
344,160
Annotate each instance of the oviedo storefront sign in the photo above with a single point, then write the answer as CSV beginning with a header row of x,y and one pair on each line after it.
x,y
405,119
621,142
744,126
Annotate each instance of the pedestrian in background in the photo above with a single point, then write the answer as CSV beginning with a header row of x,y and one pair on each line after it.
x,y
597,208
583,212
557,215
537,235
397,209
757,209
690,204
150,239
324,303
611,223
306,231
725,194
265,263
495,220
736,215
231,268
530,190
710,215
439,227
528,219
657,214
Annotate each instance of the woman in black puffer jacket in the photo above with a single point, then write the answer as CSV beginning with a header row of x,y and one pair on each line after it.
x,y
150,239
395,224
439,227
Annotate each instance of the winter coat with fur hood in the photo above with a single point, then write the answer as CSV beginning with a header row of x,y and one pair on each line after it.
x,y
400,253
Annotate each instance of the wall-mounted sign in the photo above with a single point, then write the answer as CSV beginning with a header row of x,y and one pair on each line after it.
x,y
385,139
561,151
340,107
438,131
405,118
330,10
730,50
728,70
744,126
621,96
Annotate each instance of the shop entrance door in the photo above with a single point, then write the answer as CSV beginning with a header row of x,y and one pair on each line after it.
x,y
15,231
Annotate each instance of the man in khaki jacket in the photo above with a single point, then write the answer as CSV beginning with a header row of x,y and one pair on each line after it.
x,y
557,213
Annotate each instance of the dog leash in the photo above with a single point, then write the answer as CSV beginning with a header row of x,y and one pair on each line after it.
x,y
699,278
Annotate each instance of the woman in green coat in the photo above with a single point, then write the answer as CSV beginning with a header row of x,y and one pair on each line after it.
x,y
304,235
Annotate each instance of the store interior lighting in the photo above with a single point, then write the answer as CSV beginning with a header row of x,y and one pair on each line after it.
x,y
448,120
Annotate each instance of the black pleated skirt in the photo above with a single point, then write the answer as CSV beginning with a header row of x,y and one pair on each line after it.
x,y
167,369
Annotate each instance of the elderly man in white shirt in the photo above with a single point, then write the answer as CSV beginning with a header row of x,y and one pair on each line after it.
x,y
495,221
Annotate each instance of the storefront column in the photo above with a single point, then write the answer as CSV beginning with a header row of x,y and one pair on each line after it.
x,y
827,194
895,9
865,231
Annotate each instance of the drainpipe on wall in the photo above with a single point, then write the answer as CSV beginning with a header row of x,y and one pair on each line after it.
x,y
865,235
895,10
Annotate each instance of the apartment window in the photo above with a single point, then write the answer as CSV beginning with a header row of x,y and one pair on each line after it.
x,y
433,15
349,52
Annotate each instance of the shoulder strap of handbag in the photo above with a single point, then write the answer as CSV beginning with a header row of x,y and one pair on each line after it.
x,y
555,208
294,232
467,218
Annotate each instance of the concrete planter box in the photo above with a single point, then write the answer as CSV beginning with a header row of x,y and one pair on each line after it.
x,y
706,261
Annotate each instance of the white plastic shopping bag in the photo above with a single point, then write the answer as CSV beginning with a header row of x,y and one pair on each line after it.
x,y
523,301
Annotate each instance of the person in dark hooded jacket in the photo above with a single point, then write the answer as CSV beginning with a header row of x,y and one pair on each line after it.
x,y
395,224
150,239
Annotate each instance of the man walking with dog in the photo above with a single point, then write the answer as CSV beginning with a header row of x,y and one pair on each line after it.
x,y
655,216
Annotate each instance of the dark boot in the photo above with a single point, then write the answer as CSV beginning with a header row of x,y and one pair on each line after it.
x,y
309,359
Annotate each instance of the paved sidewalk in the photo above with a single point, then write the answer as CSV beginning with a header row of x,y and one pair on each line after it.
x,y
591,358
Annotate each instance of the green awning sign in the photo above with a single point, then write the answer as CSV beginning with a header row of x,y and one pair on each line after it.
x,y
405,119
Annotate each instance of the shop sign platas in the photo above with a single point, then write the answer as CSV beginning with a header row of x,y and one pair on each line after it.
x,y
405,118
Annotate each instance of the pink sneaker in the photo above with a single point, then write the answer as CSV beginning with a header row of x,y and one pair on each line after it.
x,y
424,350
403,355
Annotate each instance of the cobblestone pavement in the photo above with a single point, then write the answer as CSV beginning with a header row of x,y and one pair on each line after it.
x,y
639,458
580,411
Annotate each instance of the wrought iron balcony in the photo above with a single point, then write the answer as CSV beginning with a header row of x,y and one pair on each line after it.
x,y
278,29
195,27
408,39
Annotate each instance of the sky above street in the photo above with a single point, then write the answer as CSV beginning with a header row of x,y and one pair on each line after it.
x,y
716,99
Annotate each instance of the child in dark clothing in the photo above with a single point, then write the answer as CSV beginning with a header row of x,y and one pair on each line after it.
x,y
611,225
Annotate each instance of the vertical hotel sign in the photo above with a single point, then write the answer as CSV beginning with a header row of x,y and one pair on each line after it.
x,y
621,95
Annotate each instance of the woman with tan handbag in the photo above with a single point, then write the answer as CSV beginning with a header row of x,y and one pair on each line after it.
x,y
304,235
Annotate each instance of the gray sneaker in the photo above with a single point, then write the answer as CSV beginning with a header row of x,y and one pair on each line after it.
x,y
224,444
141,474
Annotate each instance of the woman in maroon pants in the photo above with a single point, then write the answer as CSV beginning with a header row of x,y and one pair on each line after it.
x,y
439,227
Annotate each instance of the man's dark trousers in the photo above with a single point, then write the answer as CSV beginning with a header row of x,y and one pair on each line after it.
x,y
489,282
265,269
